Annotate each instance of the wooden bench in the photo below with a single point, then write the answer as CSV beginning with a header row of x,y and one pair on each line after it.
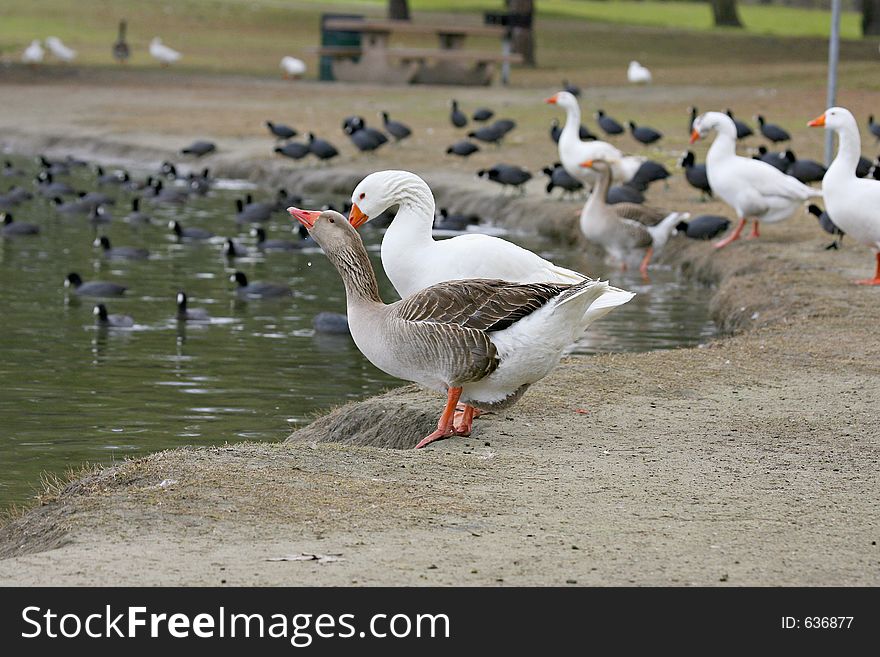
x,y
375,61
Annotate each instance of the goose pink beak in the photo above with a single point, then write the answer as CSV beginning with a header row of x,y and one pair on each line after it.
x,y
306,217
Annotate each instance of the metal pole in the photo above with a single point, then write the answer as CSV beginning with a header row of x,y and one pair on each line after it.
x,y
833,57
506,48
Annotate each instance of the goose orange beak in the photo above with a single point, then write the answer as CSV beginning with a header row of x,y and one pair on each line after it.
x,y
695,136
818,122
306,217
552,100
587,164
357,218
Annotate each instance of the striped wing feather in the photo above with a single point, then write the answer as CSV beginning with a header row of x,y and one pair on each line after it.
x,y
480,304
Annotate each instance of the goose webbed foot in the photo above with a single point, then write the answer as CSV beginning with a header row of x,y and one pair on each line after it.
x,y
445,426
463,422
755,234
733,237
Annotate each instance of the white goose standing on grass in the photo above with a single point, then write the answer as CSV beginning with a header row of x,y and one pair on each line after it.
x,y
163,53
638,74
573,151
59,50
754,189
34,53
481,342
853,202
292,68
625,230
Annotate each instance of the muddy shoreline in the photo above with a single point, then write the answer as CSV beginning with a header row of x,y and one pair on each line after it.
x,y
751,461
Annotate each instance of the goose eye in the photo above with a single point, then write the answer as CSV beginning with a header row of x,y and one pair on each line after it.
x,y
331,220
362,196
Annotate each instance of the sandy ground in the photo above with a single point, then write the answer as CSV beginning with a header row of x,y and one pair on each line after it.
x,y
750,461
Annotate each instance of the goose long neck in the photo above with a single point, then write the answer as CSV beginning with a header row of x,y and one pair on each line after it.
x,y
849,150
353,265
599,196
724,145
414,219
572,122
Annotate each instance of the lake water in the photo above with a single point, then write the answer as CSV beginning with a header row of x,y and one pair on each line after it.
x,y
71,392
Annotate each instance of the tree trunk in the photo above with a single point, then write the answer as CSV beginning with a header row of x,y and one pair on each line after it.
x,y
725,13
398,10
870,17
523,39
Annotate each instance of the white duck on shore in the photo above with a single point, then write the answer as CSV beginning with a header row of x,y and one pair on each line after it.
x,y
573,151
481,342
59,50
853,202
163,53
638,74
34,53
754,189
625,230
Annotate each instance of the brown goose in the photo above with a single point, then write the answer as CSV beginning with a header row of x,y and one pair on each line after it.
x,y
480,341
625,230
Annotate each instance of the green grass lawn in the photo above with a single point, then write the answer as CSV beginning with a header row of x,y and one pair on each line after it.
x,y
770,20
250,36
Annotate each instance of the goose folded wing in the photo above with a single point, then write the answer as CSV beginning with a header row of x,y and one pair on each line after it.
x,y
644,215
480,304
639,237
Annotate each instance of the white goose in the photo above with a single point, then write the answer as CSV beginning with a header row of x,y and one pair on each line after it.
x,y
163,53
59,50
34,53
625,230
638,74
754,189
292,67
414,260
482,342
573,151
853,202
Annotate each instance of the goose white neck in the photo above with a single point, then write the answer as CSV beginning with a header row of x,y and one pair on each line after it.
x,y
572,122
411,227
849,150
724,145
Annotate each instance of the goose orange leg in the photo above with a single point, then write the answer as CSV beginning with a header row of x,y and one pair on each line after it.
x,y
872,281
755,232
644,266
733,237
465,423
445,427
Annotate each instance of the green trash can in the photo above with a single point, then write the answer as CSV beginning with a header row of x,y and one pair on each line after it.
x,y
336,38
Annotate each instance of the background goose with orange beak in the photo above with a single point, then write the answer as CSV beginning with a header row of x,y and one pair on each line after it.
x,y
628,232
754,189
853,202
481,342
573,151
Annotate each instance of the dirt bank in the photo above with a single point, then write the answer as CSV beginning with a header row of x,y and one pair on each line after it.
x,y
752,460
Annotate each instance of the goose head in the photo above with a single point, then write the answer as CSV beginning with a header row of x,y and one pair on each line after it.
x,y
343,247
379,191
834,118
564,99
706,123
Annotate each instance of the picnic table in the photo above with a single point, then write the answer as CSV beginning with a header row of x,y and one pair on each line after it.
x,y
375,60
